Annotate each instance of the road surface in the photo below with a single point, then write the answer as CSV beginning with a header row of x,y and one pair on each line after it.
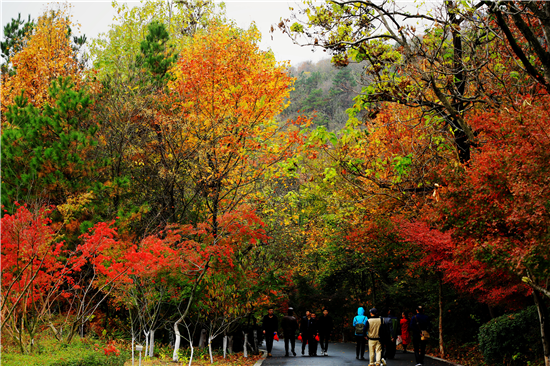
x,y
339,354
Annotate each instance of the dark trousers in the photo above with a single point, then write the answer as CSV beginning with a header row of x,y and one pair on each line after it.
x,y
305,337
419,349
360,346
312,348
290,336
323,339
269,341
389,350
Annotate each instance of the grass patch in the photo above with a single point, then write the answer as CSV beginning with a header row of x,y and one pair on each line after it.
x,y
80,352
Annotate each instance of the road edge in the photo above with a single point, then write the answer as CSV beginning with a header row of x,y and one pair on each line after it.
x,y
443,360
261,360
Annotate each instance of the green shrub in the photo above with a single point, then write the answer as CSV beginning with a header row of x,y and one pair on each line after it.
x,y
512,339
76,354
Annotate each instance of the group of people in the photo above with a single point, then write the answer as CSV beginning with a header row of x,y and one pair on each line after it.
x,y
382,334
313,331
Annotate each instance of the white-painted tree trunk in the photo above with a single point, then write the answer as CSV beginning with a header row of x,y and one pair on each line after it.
x,y
192,350
245,345
175,357
224,346
210,349
152,344
146,342
133,345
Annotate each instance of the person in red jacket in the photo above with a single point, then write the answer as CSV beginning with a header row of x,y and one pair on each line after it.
x,y
405,334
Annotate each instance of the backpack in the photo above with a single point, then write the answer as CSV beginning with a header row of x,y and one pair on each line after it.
x,y
359,328
385,331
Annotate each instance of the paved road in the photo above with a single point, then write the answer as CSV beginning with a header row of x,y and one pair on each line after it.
x,y
339,354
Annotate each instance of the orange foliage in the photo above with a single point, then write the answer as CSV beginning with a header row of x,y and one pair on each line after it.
x,y
228,92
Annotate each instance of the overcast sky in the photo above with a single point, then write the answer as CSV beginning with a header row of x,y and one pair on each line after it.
x,y
95,16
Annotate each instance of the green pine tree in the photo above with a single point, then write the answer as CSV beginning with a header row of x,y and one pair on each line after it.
x,y
43,150
157,56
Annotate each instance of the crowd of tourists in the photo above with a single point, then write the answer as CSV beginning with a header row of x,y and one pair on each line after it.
x,y
378,333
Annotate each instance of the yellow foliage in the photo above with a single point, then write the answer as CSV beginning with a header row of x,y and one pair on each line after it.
x,y
46,56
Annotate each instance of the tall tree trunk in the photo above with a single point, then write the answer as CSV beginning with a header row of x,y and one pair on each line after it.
x,y
544,326
441,343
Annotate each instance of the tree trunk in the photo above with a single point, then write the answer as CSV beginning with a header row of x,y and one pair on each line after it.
x,y
256,348
133,345
202,340
210,349
544,326
245,345
175,356
192,351
146,342
224,346
441,343
152,343
230,344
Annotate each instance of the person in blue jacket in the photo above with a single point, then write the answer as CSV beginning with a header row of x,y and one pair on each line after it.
x,y
359,324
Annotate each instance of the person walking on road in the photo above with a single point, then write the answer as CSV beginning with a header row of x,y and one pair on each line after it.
x,y
289,324
359,323
313,333
420,327
304,324
405,334
325,328
270,324
389,348
373,331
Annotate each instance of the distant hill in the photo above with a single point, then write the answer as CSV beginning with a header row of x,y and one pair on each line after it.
x,y
323,91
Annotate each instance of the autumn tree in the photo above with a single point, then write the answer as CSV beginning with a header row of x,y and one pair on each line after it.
x,y
227,93
149,187
44,55
115,51
49,283
439,66
495,207
31,272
